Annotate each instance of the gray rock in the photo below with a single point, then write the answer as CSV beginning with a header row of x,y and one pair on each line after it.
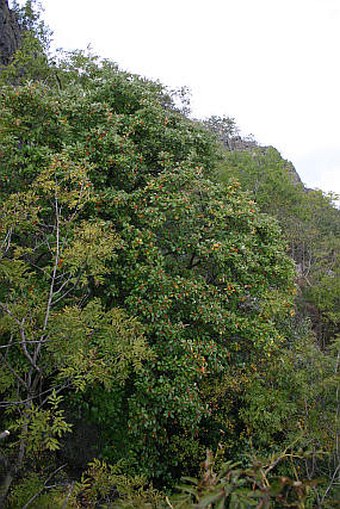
x,y
9,33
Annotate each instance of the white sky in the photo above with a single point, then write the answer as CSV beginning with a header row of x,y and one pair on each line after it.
x,y
271,64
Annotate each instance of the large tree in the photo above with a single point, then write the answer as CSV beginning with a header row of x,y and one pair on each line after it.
x,y
108,216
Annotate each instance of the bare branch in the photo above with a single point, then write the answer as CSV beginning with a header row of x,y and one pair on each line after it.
x,y
56,389
53,277
334,476
64,506
73,287
6,243
21,325
28,342
14,373
45,487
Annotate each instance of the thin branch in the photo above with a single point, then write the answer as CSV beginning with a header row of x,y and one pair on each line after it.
x,y
65,283
39,268
53,278
14,373
280,458
75,212
6,243
64,506
24,346
191,264
57,389
21,324
169,503
28,342
45,487
73,287
331,483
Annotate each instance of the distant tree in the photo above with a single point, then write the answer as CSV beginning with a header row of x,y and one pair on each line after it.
x,y
225,128
310,223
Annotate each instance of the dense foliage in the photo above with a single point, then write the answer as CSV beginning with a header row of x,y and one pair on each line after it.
x,y
149,308
310,223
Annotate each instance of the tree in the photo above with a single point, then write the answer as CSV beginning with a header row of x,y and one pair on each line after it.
x,y
109,215
56,335
310,223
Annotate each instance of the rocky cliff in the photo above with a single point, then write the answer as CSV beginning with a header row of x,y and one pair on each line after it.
x,y
9,33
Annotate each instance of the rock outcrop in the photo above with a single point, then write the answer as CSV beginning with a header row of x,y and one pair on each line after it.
x,y
9,33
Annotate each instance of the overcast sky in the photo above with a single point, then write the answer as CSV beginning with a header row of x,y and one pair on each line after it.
x,y
271,64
